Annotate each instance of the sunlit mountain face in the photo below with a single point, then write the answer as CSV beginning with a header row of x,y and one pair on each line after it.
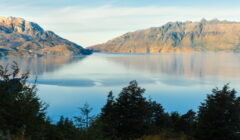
x,y
21,37
119,69
213,35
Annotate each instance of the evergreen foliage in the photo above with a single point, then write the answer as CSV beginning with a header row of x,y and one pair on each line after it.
x,y
219,116
22,113
128,116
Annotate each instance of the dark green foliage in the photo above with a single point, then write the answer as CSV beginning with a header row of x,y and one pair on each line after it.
x,y
21,110
158,119
108,117
66,129
128,116
219,116
84,121
131,115
188,122
183,123
63,130
174,121
95,130
132,112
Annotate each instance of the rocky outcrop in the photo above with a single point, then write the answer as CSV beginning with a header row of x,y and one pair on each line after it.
x,y
21,37
213,35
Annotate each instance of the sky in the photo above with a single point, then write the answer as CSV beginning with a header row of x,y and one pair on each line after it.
x,y
89,22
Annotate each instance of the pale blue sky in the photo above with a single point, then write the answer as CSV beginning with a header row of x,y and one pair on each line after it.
x,y
89,22
128,3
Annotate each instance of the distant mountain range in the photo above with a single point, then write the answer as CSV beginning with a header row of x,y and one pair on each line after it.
x,y
21,37
213,35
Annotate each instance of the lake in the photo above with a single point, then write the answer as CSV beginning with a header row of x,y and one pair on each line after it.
x,y
179,81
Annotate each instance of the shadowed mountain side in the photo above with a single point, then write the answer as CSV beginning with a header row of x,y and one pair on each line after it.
x,y
184,64
213,35
39,65
21,37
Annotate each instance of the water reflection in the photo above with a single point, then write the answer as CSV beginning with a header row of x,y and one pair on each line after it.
x,y
179,81
39,65
184,64
67,82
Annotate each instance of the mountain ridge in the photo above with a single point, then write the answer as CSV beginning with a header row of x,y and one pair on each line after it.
x,y
206,35
22,37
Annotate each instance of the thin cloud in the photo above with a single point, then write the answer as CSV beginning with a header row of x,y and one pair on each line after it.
x,y
88,26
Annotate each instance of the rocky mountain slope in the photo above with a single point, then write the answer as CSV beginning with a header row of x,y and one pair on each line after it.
x,y
213,35
21,37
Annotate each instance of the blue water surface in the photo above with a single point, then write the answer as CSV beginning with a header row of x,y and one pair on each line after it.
x,y
179,81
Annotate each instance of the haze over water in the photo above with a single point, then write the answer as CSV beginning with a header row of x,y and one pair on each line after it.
x,y
179,81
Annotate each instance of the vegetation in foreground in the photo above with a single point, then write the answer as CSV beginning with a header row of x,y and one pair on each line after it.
x,y
129,116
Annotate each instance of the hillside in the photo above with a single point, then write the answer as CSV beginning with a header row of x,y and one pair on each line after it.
x,y
213,35
21,37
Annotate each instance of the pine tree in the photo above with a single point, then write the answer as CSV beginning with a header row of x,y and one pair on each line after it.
x,y
21,110
219,116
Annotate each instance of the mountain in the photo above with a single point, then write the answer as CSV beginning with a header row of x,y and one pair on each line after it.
x,y
213,35
21,37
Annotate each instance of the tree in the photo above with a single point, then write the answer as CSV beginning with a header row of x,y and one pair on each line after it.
x,y
84,121
188,122
158,118
219,116
185,123
21,110
108,117
66,130
132,112
175,119
128,115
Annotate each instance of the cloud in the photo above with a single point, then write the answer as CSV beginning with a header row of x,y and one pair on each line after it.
x,y
92,25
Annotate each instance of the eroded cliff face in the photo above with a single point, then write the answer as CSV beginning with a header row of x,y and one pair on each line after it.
x,y
205,35
21,37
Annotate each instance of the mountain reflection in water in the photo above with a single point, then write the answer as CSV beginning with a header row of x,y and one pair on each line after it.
x,y
39,65
179,81
184,64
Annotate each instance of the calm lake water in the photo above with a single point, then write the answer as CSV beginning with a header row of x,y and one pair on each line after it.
x,y
179,81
